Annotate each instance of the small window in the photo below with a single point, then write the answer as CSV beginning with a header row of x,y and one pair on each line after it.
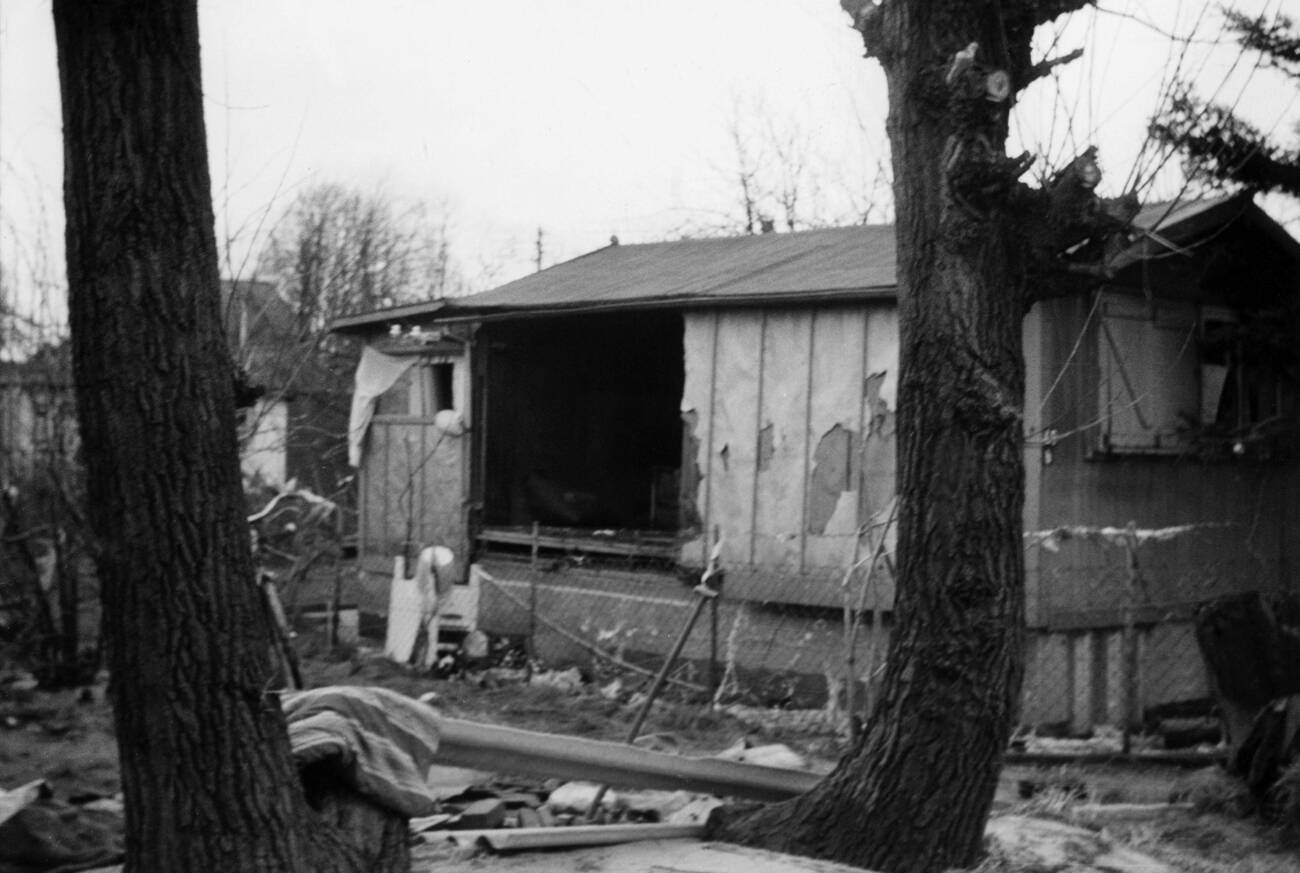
x,y
1176,377
1242,386
443,395
422,392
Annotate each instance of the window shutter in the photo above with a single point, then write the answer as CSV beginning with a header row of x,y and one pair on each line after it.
x,y
1149,388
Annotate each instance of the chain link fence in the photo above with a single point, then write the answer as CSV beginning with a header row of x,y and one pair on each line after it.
x,y
1111,652
1112,647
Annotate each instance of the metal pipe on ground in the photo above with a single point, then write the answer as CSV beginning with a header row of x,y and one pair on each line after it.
x,y
510,750
516,839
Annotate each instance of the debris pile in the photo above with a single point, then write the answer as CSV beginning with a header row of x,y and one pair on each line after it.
x,y
39,831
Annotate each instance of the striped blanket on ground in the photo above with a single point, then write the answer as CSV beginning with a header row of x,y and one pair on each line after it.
x,y
383,742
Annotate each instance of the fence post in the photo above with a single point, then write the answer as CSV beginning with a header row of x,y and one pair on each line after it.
x,y
714,678
336,596
532,597
1128,640
850,639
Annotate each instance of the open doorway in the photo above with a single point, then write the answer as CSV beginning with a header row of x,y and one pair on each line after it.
x,y
581,422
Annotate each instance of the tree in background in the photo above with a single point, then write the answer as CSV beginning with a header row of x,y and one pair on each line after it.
x,y
974,244
334,251
782,185
1217,145
206,771
45,549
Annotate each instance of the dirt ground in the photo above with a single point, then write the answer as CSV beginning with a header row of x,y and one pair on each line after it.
x,y
66,738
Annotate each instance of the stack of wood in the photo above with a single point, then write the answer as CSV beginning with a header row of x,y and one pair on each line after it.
x,y
1251,646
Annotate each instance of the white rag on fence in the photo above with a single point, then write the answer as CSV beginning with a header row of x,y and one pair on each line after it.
x,y
376,373
1115,536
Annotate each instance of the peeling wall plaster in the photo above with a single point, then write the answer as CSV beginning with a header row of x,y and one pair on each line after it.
x,y
794,430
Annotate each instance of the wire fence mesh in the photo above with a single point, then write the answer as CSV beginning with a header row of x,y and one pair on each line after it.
x,y
1110,642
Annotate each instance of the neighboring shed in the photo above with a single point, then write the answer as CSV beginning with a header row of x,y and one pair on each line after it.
x,y
296,427
625,406
38,424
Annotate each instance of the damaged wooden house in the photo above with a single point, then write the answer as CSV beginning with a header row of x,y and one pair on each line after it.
x,y
581,435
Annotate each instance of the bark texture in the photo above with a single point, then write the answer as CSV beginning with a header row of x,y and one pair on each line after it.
x,y
915,793
206,771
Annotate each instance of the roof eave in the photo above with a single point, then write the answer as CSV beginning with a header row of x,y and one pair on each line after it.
x,y
1188,230
366,321
455,314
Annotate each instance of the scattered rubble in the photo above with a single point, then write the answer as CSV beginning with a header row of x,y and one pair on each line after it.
x,y
569,680
1039,844
38,831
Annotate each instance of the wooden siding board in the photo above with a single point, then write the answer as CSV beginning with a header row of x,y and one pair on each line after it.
x,y
781,483
698,350
735,437
838,380
758,430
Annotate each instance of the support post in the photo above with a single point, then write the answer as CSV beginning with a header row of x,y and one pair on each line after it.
x,y
1129,639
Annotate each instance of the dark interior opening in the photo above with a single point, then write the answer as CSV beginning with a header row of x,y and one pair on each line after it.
x,y
582,421
442,387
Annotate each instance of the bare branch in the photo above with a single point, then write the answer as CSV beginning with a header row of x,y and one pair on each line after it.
x,y
1045,67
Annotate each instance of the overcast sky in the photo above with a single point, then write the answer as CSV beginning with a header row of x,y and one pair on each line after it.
x,y
585,118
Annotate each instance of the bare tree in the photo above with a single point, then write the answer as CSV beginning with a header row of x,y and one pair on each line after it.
x,y
781,179
914,794
334,251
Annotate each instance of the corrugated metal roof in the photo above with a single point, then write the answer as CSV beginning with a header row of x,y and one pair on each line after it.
x,y
815,265
838,261
1169,213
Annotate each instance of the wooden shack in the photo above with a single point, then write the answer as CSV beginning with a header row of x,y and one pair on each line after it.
x,y
618,413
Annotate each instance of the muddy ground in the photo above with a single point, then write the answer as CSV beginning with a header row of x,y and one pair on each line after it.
x,y
66,738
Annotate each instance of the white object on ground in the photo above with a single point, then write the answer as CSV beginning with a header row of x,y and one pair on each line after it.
x,y
773,755
1052,845
695,812
404,602
12,802
565,680
578,796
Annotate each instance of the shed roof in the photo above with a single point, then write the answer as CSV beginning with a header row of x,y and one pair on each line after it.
x,y
846,263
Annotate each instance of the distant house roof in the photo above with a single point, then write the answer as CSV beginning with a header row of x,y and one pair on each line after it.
x,y
847,263
266,341
255,313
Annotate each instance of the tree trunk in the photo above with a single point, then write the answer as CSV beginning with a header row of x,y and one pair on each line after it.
x,y
914,795
206,771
